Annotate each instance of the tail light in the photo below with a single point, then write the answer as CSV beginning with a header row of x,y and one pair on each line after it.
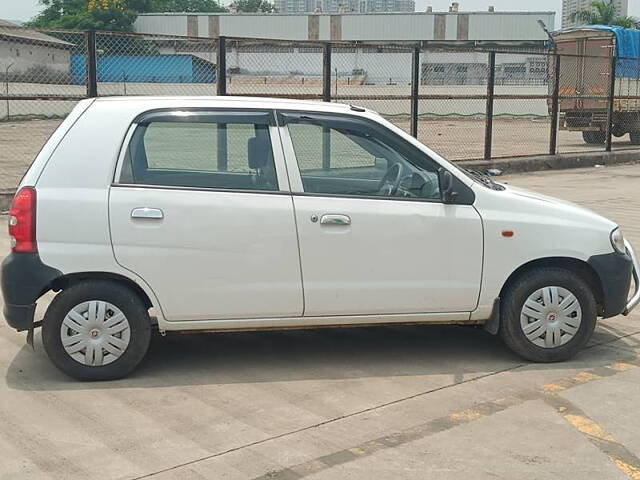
x,y
22,221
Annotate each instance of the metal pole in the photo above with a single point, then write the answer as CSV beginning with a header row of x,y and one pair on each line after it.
x,y
612,92
415,84
6,83
92,65
555,107
223,150
326,148
221,80
326,73
491,81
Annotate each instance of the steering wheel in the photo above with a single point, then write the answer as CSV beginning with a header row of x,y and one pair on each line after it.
x,y
389,184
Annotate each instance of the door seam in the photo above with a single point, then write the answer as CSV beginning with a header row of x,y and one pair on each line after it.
x,y
295,216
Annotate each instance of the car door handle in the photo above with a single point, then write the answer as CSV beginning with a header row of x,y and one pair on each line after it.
x,y
146,212
335,219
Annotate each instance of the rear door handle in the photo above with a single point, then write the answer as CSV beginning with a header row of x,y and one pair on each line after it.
x,y
146,212
335,219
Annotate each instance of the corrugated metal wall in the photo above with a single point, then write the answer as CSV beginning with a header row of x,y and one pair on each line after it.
x,y
145,69
501,26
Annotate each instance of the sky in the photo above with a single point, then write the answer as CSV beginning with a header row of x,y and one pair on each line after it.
x,y
25,9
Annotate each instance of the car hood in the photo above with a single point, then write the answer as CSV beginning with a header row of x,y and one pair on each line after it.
x,y
568,208
523,192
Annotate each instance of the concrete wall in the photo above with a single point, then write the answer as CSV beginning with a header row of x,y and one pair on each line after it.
x,y
380,67
25,56
487,26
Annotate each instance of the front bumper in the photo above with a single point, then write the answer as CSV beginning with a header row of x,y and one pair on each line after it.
x,y
615,271
635,299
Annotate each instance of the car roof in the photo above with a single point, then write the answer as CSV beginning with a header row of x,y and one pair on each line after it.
x,y
237,102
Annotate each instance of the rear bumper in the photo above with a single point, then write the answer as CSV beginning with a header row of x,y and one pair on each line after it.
x,y
19,317
23,279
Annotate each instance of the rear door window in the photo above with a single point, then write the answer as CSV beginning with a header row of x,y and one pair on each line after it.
x,y
202,149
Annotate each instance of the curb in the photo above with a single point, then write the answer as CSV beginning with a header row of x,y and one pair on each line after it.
x,y
507,165
554,162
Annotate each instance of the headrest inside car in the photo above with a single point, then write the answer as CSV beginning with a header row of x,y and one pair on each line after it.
x,y
258,152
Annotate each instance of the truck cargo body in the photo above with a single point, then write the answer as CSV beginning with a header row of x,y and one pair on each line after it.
x,y
585,81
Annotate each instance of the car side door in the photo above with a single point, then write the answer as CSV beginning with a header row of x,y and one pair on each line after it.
x,y
201,210
375,237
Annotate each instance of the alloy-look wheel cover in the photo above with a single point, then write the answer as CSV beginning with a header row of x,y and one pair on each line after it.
x,y
551,317
95,333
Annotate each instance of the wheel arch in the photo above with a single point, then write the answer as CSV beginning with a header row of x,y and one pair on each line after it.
x,y
67,280
577,266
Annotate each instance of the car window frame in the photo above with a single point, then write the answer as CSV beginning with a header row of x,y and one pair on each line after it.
x,y
182,114
345,120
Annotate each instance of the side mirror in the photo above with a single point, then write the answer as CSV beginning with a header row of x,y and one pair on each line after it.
x,y
446,186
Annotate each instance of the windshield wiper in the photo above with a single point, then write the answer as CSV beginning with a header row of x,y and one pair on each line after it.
x,y
484,179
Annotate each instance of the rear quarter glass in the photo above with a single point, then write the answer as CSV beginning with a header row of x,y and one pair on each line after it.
x,y
35,170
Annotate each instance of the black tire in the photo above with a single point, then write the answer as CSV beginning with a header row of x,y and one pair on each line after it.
x,y
519,291
594,138
119,296
635,138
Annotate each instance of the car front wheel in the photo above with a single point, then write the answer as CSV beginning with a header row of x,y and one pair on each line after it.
x,y
96,330
548,315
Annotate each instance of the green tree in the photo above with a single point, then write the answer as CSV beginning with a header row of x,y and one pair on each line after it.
x,y
117,15
254,6
114,15
205,6
603,12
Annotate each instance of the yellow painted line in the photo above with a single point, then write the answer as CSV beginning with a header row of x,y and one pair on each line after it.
x,y
465,415
621,366
632,472
616,452
555,387
585,377
588,427
357,451
562,384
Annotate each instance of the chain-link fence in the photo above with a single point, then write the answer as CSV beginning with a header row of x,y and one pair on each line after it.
x,y
452,101
152,65
465,102
626,102
37,90
274,68
374,76
521,120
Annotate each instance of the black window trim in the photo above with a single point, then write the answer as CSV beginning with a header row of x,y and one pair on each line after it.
x,y
465,196
175,114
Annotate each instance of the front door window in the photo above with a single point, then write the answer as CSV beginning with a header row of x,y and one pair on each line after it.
x,y
339,160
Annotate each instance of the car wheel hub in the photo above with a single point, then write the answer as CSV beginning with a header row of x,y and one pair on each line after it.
x,y
551,317
95,333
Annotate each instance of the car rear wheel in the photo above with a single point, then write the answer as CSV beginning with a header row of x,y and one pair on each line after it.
x,y
594,138
548,315
96,330
635,138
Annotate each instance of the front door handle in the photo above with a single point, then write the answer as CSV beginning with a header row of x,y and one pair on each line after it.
x,y
146,212
335,219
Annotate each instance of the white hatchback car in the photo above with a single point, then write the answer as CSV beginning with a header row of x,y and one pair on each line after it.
x,y
244,214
